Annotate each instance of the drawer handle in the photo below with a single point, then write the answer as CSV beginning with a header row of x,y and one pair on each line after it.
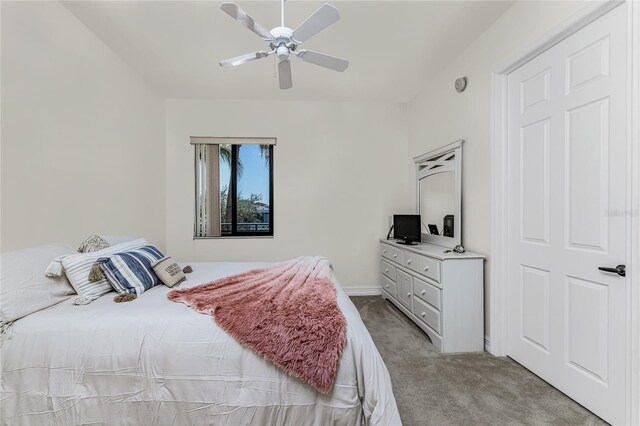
x,y
395,255
384,251
423,314
408,294
426,268
386,286
386,270
409,262
423,292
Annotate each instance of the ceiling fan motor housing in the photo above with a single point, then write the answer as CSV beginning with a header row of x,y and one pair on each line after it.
x,y
282,43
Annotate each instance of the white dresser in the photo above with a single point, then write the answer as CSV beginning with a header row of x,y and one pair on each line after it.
x,y
441,292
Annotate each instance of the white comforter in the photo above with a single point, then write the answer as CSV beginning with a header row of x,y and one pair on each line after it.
x,y
153,361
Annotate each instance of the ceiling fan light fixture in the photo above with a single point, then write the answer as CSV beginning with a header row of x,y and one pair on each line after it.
x,y
282,52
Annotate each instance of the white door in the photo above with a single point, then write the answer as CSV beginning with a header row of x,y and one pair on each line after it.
x,y
567,117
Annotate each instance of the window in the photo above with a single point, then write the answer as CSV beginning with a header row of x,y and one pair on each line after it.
x,y
234,187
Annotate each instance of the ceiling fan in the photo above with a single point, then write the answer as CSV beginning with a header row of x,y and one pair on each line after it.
x,y
284,41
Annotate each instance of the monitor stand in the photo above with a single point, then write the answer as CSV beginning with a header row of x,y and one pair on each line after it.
x,y
408,243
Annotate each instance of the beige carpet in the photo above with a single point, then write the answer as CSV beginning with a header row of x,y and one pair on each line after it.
x,y
461,389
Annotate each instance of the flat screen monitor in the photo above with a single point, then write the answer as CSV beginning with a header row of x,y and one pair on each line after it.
x,y
406,228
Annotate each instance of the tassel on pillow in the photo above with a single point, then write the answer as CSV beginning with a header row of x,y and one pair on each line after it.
x,y
81,300
54,269
124,297
96,273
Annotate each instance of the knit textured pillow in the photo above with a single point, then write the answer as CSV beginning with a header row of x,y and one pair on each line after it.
x,y
93,243
130,272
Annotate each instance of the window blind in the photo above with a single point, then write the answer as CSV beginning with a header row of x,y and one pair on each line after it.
x,y
209,140
207,190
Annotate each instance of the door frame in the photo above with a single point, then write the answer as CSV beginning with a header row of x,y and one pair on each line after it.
x,y
498,262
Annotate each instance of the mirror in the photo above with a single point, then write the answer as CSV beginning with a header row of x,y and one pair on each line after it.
x,y
439,195
437,204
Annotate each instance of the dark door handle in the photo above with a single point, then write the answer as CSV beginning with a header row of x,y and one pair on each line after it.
x,y
620,270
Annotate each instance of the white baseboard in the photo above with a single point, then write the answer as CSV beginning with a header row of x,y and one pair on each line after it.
x,y
363,291
487,344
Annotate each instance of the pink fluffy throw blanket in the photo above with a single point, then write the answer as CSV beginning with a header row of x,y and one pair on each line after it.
x,y
286,312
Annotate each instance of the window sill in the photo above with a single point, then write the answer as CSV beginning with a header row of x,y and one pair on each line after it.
x,y
236,237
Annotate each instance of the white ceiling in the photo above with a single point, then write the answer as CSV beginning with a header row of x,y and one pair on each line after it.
x,y
393,46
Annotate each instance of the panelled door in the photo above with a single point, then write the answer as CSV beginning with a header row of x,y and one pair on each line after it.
x,y
567,114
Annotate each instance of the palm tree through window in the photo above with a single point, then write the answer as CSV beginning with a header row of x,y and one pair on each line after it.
x,y
234,189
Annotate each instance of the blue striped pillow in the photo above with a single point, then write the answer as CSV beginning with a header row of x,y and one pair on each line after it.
x,y
131,272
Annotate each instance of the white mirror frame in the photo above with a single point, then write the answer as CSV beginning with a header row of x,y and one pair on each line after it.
x,y
436,162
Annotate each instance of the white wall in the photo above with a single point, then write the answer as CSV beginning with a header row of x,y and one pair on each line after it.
x,y
439,115
82,147
82,135
339,172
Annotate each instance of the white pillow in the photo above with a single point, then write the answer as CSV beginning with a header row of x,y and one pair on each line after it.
x,y
24,288
117,239
77,268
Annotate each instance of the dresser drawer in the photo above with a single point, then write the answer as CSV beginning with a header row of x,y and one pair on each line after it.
x,y
391,253
389,286
405,289
427,292
388,269
422,265
427,314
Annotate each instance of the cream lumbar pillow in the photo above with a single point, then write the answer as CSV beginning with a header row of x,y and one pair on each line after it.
x,y
78,266
91,244
117,239
168,271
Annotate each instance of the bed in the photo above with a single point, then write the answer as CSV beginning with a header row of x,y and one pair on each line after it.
x,y
153,361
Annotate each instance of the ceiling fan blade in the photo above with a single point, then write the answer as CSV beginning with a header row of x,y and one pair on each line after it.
x,y
239,60
323,60
315,23
284,74
240,15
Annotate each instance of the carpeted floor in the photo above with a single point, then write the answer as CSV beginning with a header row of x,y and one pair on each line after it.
x,y
461,389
